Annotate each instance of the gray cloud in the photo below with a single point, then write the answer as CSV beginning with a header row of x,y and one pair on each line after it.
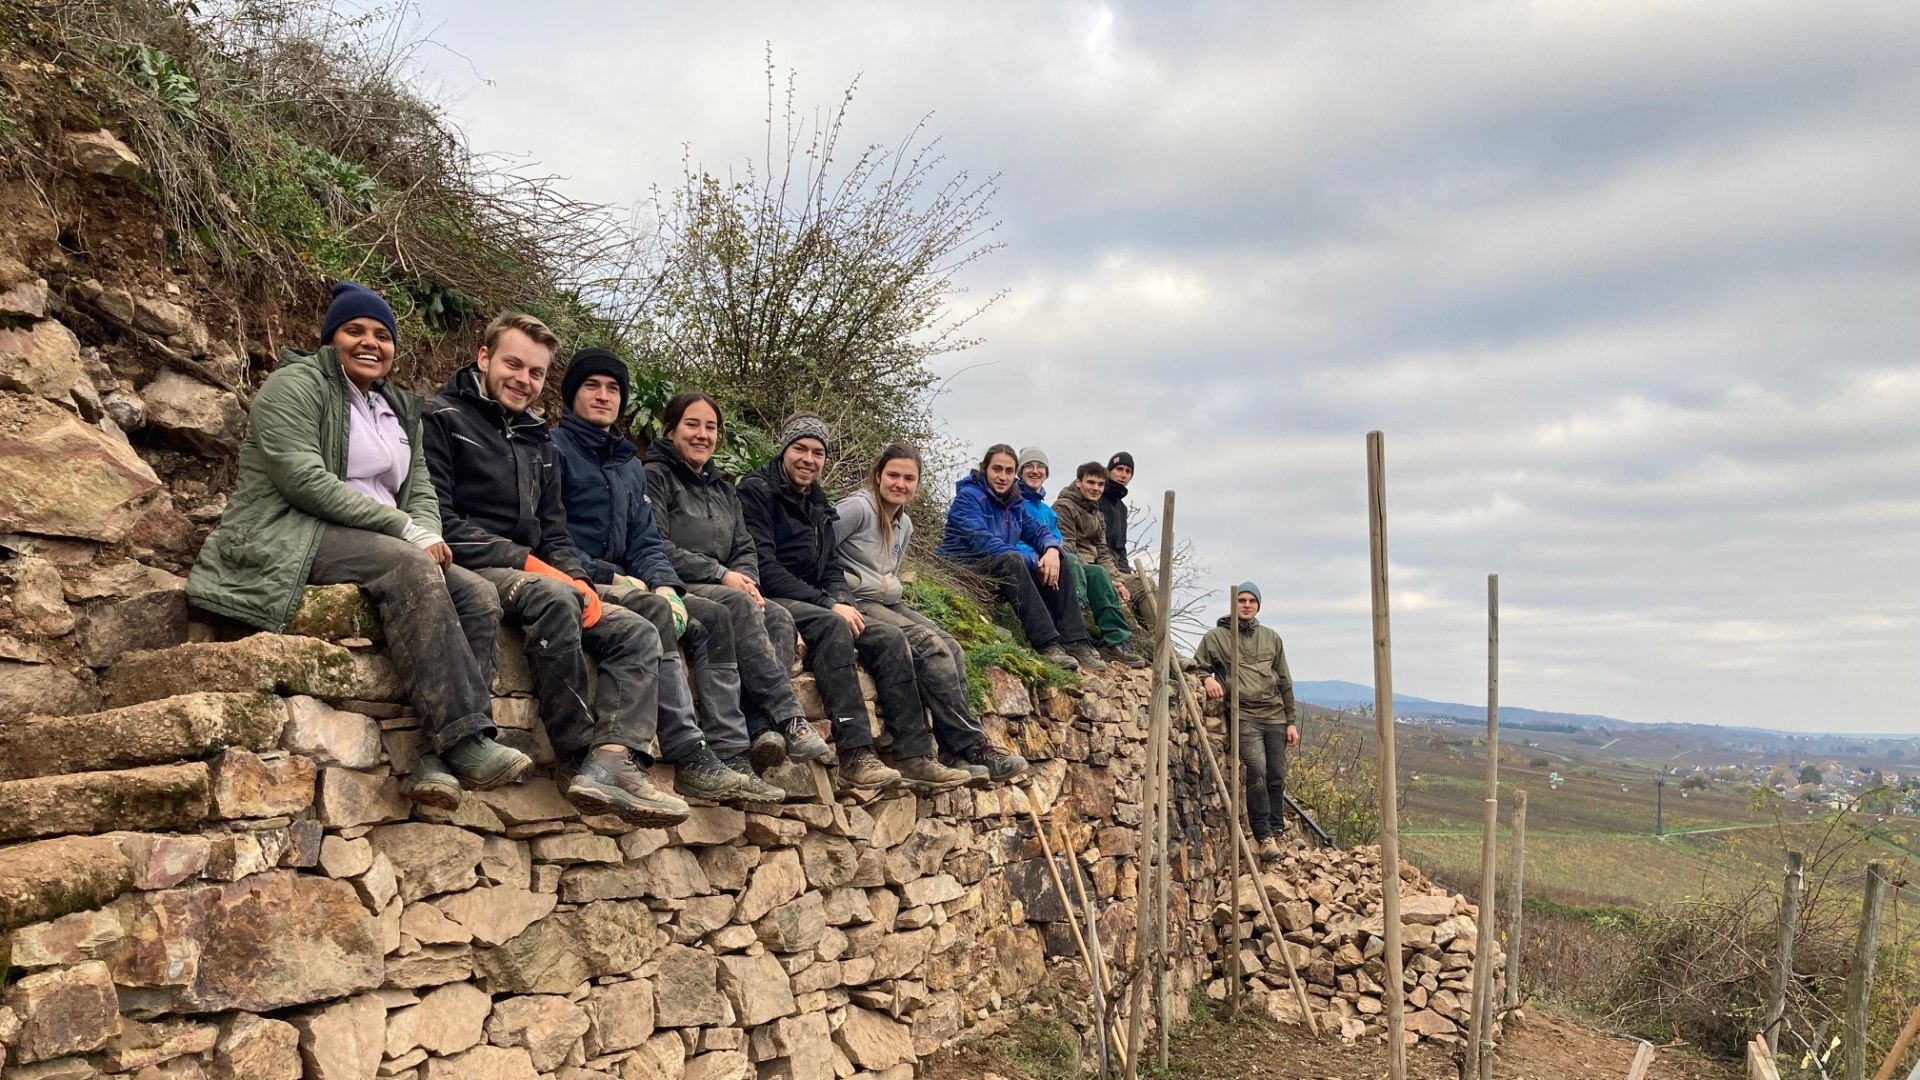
x,y
1631,287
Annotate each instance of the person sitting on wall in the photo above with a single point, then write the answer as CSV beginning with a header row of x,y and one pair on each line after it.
x,y
1269,718
871,532
1091,578
333,488
1113,506
709,547
610,518
491,457
792,524
987,523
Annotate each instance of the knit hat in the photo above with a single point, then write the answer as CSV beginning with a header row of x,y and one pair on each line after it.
x,y
1031,454
352,300
1121,458
1247,586
803,426
595,361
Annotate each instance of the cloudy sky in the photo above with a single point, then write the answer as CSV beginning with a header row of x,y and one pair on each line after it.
x,y
1630,287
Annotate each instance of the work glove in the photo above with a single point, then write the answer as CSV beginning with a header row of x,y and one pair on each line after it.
x,y
590,614
679,608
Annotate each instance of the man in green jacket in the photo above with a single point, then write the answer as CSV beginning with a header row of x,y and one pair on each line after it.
x,y
1269,718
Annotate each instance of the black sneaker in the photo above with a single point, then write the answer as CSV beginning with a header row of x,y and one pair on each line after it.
x,y
611,782
704,776
803,743
1059,657
1089,660
1123,655
752,788
987,758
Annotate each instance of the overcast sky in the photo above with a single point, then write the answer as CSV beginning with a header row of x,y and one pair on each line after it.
x,y
1630,287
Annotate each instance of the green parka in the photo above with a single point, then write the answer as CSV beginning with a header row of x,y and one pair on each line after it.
x,y
1266,686
255,564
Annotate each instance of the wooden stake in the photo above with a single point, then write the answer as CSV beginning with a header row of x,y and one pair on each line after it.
x,y
1790,892
1866,947
1235,793
1760,1065
1245,846
1073,924
1396,988
1642,1061
1480,1036
1150,942
1907,1033
1516,895
1163,742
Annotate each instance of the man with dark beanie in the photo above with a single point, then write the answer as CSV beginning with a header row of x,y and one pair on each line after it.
x,y
604,487
792,525
1113,507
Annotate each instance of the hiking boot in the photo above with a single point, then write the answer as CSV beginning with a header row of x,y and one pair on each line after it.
x,y
1123,655
996,766
769,750
803,743
1089,659
977,775
1059,657
612,782
861,769
925,773
752,788
704,776
485,764
1270,850
433,785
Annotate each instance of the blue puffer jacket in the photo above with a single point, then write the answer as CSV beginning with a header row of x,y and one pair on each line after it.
x,y
604,487
1036,500
981,524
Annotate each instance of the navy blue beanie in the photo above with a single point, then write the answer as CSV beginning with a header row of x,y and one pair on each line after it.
x,y
352,300
595,361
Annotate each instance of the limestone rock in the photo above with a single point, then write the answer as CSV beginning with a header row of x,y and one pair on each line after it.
x,y
42,359
873,1041
348,797
140,1045
431,859
569,848
202,418
270,663
70,1011
36,597
163,318
447,1020
247,785
482,1063
103,154
330,736
795,926
559,952
547,1025
27,688
24,299
721,1065
686,991
496,915
151,733
777,880
758,987
619,1015
332,612
62,477
68,940
156,797
256,1048
343,1041
50,878
156,619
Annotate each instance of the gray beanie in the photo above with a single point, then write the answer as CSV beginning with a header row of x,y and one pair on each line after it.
x,y
1030,454
803,426
1247,586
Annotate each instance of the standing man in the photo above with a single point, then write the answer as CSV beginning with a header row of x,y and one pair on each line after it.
x,y
610,518
1269,719
491,458
1083,532
1113,507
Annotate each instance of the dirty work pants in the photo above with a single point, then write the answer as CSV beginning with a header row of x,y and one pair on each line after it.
x,y
882,650
1263,765
1049,616
442,626
939,670
709,645
1095,584
626,706
1140,606
763,641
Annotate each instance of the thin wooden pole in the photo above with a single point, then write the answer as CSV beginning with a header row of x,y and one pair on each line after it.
x,y
1149,923
1866,947
1163,748
1092,915
1791,890
1389,773
1073,924
1516,897
1642,1061
1480,1036
1234,792
1900,1044
1246,847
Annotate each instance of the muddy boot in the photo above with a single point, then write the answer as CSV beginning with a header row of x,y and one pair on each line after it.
x,y
610,781
433,785
1123,655
1059,657
925,773
861,769
752,788
803,743
999,767
1088,658
1270,850
704,776
485,764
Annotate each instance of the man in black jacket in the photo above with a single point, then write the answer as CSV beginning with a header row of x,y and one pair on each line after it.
x,y
491,458
1113,507
792,526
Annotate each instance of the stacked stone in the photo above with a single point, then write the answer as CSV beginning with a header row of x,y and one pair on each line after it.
x,y
1329,907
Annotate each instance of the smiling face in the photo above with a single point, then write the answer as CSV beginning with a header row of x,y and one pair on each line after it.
x,y
697,435
598,401
1120,474
1091,486
899,480
366,351
514,370
1246,605
1000,469
1035,473
802,461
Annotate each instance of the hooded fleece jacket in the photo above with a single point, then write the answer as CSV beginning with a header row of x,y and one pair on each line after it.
x,y
1037,508
700,520
793,529
499,489
609,516
981,524
872,571
1266,686
1083,527
291,484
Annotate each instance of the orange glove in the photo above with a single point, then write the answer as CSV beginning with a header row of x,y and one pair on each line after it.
x,y
591,613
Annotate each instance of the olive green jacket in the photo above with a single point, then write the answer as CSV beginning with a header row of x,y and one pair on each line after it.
x,y
1084,529
1266,686
290,484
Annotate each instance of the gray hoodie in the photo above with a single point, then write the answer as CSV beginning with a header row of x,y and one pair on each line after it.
x,y
873,573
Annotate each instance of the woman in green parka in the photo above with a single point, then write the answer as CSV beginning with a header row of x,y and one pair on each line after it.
x,y
333,488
